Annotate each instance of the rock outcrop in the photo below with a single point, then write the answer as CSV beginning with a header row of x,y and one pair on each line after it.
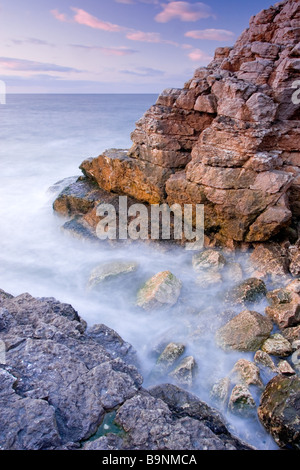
x,y
60,382
229,139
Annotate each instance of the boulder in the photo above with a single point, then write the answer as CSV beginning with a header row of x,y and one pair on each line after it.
x,y
184,372
277,345
247,292
279,411
110,271
241,402
246,372
208,260
245,332
161,291
285,314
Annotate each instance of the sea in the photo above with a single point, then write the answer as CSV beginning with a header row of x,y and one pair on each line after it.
x,y
43,140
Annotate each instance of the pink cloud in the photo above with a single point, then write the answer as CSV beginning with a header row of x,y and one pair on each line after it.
x,y
183,11
59,16
111,51
199,56
211,34
85,18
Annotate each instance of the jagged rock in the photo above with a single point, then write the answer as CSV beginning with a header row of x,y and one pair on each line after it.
x,y
220,391
269,260
277,345
246,372
208,260
285,368
47,349
245,332
284,314
110,271
170,355
265,363
295,260
249,291
292,333
184,372
229,139
241,402
161,291
279,410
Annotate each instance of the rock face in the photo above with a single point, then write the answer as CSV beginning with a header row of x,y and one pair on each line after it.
x,y
229,139
60,382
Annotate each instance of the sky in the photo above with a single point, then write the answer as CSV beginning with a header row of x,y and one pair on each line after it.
x,y
113,46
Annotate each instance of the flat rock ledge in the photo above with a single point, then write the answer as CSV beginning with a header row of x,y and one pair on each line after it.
x,y
61,383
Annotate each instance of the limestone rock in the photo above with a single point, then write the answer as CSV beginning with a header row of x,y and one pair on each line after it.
x,y
229,139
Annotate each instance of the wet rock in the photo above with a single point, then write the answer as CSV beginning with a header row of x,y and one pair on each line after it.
x,y
294,286
47,349
292,333
208,279
150,424
78,198
269,260
220,392
231,132
285,368
208,260
246,372
241,402
264,361
184,372
277,345
247,292
285,314
110,271
183,403
160,291
295,260
245,332
279,410
169,356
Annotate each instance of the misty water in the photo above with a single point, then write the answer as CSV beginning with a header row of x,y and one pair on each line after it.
x,y
43,139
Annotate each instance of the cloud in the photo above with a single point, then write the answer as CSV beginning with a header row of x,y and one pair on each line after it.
x,y
183,11
33,41
199,56
144,72
84,18
24,65
110,51
59,16
211,34
134,2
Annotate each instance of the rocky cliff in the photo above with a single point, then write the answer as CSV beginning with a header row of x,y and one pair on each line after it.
x,y
229,139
